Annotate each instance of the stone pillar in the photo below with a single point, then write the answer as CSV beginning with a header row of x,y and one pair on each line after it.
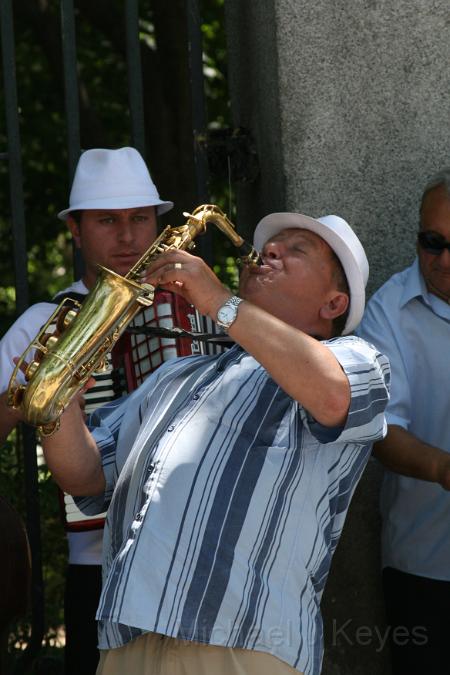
x,y
348,102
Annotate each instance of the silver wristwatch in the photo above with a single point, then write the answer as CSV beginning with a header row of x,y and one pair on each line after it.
x,y
228,312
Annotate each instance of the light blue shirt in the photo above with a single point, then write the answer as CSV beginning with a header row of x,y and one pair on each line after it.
x,y
412,327
228,501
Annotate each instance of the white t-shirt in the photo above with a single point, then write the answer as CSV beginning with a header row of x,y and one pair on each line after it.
x,y
85,548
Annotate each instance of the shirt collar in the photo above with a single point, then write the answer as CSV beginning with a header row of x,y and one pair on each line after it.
x,y
415,287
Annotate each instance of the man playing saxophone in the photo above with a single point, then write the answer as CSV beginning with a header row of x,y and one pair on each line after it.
x,y
227,478
112,217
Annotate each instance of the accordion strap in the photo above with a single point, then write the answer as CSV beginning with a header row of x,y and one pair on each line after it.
x,y
157,331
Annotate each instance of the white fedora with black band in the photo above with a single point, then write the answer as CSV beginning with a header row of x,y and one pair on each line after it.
x,y
342,240
113,179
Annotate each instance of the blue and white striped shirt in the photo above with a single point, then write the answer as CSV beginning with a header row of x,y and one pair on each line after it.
x,y
227,501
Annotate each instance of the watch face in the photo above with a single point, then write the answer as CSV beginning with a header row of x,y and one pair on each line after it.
x,y
226,314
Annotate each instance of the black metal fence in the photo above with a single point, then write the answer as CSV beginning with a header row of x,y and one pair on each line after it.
x,y
12,155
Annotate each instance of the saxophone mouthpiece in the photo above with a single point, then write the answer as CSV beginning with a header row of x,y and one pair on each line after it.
x,y
249,255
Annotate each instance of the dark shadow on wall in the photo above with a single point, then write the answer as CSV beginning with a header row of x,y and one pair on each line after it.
x,y
352,605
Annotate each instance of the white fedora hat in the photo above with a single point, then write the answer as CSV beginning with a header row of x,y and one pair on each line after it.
x,y
113,179
342,240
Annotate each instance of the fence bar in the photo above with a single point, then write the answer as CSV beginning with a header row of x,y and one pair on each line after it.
x,y
70,83
198,107
134,66
34,536
22,301
14,157
198,112
72,103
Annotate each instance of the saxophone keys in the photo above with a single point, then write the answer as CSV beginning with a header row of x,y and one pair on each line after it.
x,y
31,369
49,429
65,317
49,340
102,366
148,294
15,396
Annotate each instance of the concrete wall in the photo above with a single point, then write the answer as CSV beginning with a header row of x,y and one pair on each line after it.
x,y
349,105
348,101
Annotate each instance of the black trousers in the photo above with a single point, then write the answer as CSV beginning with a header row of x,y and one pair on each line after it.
x,y
418,616
83,587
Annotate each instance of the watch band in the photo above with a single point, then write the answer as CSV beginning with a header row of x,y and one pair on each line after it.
x,y
227,314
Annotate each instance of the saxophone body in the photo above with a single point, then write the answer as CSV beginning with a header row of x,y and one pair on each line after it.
x,y
57,365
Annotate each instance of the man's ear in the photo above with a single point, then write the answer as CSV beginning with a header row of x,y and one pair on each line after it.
x,y
74,229
335,306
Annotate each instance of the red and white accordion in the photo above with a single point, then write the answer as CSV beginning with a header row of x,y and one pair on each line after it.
x,y
137,354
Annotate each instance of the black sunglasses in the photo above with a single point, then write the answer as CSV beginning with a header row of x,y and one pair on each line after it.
x,y
433,243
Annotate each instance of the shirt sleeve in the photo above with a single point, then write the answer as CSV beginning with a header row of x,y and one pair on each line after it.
x,y
368,373
377,328
105,426
18,337
102,428
114,428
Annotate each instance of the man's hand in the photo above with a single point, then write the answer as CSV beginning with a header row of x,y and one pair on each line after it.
x,y
9,417
79,399
190,277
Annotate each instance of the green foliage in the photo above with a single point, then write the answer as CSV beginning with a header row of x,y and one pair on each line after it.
x,y
215,64
104,122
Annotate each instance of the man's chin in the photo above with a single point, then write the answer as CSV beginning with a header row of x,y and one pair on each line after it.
x,y
256,292
122,269
439,286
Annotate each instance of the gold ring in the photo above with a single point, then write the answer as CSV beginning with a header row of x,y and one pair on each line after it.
x,y
178,266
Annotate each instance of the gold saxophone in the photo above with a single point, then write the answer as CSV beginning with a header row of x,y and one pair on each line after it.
x,y
64,360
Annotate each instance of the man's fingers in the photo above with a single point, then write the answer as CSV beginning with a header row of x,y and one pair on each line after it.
x,y
170,273
89,384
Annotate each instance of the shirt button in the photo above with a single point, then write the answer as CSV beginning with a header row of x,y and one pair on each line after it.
x,y
171,428
138,517
151,468
196,397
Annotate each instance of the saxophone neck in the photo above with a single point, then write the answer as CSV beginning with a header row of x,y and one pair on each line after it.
x,y
158,246
170,239
248,255
182,238
211,213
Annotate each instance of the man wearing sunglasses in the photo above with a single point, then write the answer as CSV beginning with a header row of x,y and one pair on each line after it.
x,y
409,320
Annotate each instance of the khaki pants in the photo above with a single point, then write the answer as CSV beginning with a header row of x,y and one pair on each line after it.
x,y
153,654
